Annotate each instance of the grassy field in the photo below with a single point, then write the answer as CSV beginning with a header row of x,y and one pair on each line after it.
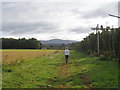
x,y
50,71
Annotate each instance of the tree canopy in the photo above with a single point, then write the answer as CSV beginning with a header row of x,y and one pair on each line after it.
x,y
10,43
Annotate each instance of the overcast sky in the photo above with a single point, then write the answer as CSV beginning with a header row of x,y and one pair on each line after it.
x,y
55,19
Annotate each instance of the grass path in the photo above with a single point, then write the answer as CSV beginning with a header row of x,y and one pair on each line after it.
x,y
52,72
86,80
64,72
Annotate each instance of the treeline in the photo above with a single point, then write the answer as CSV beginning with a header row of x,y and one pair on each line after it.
x,y
10,43
55,46
109,43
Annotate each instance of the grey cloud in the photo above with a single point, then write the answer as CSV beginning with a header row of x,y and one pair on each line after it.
x,y
13,11
16,6
100,11
81,30
13,8
18,28
18,17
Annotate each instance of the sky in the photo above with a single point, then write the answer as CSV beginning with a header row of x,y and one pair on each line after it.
x,y
55,19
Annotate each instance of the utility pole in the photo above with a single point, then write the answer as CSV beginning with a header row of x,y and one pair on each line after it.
x,y
97,28
97,32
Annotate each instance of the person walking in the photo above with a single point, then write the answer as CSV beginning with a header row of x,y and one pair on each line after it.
x,y
67,53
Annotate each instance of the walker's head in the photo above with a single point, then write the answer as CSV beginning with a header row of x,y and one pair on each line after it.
x,y
66,48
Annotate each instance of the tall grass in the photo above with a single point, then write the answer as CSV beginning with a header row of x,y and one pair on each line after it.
x,y
16,55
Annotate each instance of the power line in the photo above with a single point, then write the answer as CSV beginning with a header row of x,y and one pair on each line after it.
x,y
114,16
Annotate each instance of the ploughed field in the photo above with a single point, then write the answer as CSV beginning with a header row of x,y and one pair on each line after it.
x,y
47,69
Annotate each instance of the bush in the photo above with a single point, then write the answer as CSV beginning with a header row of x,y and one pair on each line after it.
x,y
106,56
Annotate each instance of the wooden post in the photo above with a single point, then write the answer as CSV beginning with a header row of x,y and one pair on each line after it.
x,y
97,33
97,28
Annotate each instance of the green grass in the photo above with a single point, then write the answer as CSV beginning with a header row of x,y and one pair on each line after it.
x,y
101,74
49,71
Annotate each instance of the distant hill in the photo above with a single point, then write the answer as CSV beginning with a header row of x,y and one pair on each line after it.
x,y
57,41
